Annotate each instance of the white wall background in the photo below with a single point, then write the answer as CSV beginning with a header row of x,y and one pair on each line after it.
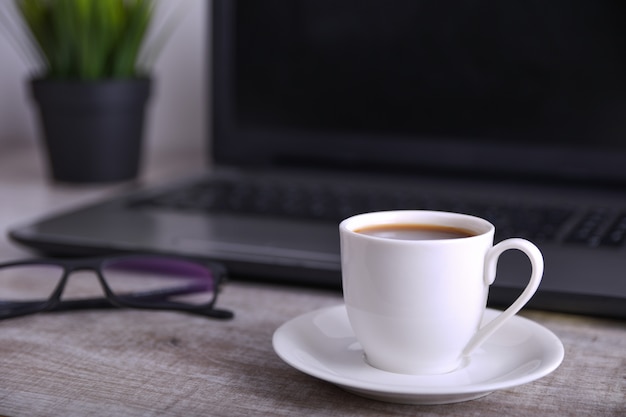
x,y
177,113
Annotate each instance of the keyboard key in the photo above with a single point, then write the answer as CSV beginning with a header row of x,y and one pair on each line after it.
x,y
616,233
588,230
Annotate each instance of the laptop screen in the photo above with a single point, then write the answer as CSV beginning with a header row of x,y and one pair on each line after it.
x,y
527,88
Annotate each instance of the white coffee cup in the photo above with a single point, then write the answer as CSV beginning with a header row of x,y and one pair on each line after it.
x,y
416,304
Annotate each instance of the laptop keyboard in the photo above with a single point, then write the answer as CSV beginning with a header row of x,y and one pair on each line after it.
x,y
333,203
590,229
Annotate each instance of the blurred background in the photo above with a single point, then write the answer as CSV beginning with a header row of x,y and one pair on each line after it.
x,y
177,111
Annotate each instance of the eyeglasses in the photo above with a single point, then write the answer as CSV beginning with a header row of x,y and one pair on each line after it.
x,y
130,281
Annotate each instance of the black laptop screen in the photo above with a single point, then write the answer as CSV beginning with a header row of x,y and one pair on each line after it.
x,y
517,87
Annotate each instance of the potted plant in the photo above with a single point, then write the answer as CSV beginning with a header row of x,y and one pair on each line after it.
x,y
92,82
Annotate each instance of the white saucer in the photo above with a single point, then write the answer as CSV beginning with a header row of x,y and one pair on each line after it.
x,y
322,344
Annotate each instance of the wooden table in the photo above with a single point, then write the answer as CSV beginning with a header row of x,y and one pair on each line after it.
x,y
138,363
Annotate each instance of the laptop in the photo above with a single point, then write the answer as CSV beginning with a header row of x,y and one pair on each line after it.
x,y
327,108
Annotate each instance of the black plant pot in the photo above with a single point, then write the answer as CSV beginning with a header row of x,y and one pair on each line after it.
x,y
92,129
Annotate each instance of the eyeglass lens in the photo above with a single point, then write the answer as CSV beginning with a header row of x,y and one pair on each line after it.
x,y
29,283
143,280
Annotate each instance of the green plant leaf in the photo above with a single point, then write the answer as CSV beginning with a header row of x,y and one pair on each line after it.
x,y
88,39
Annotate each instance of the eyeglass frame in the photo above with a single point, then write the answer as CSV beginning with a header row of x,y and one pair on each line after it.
x,y
95,264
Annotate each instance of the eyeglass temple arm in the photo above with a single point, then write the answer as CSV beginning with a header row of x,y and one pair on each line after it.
x,y
104,302
70,305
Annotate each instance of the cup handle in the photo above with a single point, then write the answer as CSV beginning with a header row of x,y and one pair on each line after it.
x,y
491,261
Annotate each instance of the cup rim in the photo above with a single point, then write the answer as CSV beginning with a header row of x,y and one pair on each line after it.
x,y
477,225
